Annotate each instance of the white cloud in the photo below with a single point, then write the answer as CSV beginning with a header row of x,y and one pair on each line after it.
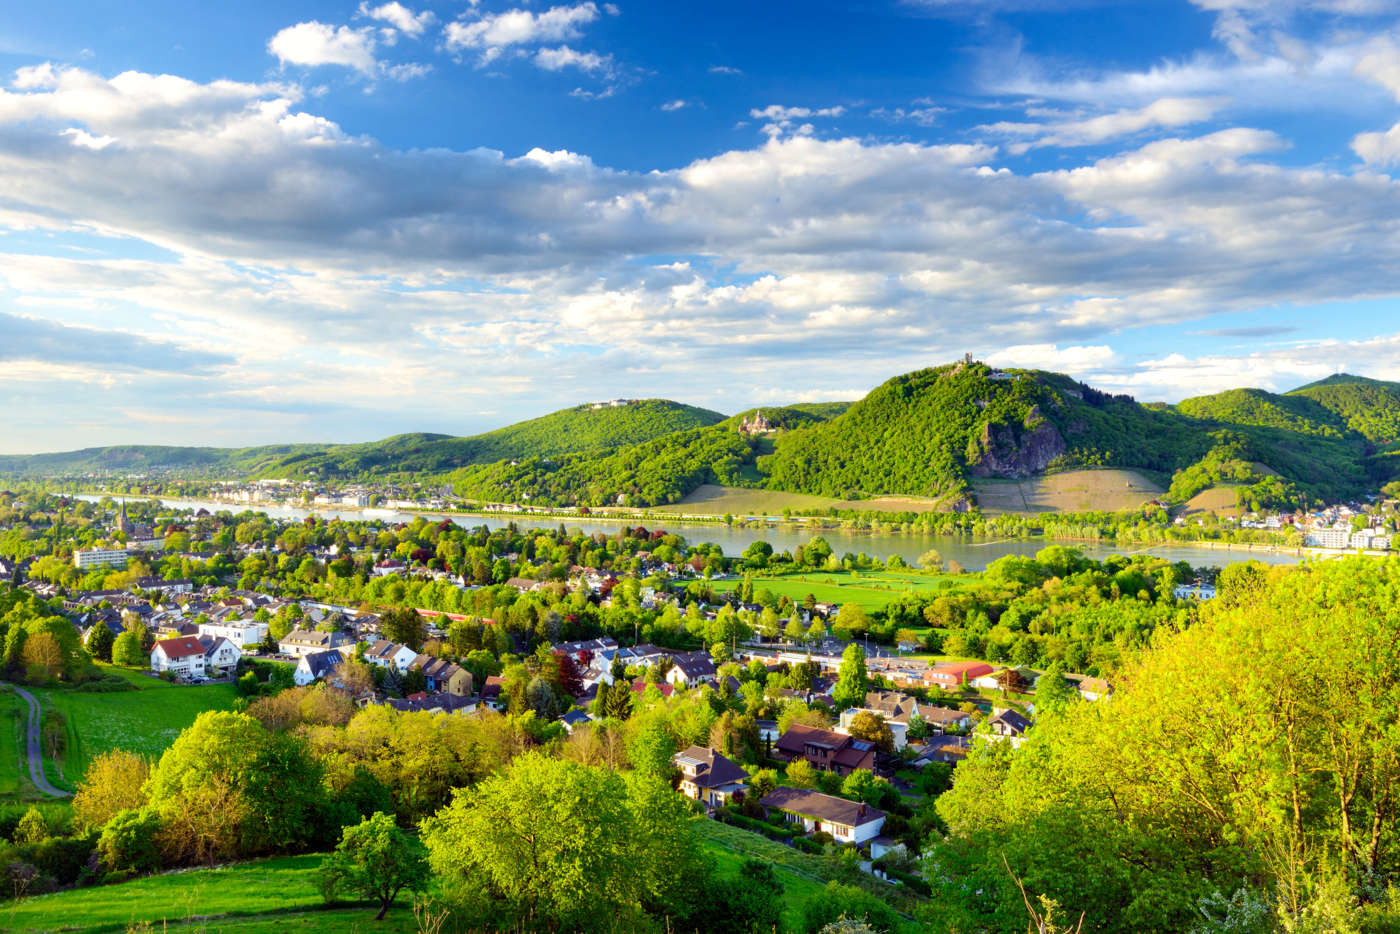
x,y
724,70
400,17
286,233
1380,149
314,43
677,104
782,119
495,32
1168,112
565,57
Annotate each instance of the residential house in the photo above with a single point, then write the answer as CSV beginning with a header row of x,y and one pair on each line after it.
x,y
1091,689
895,708
384,653
491,692
302,642
444,676
708,777
825,750
846,821
575,719
941,719
1008,725
691,669
240,632
182,655
220,655
316,665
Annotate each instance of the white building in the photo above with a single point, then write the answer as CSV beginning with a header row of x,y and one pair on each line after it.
x,y
184,656
240,632
301,642
385,653
1328,538
220,655
846,821
315,666
100,558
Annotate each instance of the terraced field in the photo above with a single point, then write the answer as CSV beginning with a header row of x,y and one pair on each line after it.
x,y
1070,491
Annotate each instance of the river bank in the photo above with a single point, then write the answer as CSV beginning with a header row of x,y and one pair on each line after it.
x,y
732,540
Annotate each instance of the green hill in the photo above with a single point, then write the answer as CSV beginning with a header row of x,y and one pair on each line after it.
x,y
584,428
1256,407
1369,407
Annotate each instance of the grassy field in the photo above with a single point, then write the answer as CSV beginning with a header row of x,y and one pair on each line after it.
x,y
1071,491
871,589
13,780
249,898
146,720
712,500
1219,500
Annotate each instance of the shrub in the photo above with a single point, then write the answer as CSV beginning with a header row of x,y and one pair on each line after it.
x,y
807,846
129,842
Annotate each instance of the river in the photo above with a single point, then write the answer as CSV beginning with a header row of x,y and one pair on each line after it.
x,y
973,555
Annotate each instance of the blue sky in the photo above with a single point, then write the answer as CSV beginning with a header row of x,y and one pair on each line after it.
x,y
240,224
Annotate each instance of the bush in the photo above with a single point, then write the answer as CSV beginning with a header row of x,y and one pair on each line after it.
x,y
822,837
837,901
808,846
911,881
129,842
109,683
63,859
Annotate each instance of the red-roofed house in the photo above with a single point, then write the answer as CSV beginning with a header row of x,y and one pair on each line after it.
x,y
956,674
184,656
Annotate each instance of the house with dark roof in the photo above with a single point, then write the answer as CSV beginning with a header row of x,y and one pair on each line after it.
x,y
708,777
896,709
443,675
433,703
825,750
491,692
182,655
846,821
691,669
1008,725
220,655
301,642
315,666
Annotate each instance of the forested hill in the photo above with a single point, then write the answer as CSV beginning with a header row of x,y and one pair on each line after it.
x,y
584,428
933,432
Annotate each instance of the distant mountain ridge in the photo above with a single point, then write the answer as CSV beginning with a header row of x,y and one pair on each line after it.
x,y
931,433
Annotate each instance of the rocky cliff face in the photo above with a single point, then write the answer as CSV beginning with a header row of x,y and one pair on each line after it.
x,y
1016,450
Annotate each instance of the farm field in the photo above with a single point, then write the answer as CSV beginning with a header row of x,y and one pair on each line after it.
x,y
1071,491
146,720
247,898
1220,500
713,500
871,589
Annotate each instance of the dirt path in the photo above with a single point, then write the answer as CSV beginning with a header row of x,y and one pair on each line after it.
x,y
32,747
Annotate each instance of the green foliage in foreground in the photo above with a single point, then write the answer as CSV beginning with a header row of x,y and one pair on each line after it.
x,y
1256,752
276,894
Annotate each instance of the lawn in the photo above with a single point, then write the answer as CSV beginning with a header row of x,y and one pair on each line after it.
x,y
146,720
871,589
13,774
247,898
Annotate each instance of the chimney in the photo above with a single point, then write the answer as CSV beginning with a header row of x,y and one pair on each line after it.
x,y
860,814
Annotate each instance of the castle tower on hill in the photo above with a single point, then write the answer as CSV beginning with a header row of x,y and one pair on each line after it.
x,y
755,424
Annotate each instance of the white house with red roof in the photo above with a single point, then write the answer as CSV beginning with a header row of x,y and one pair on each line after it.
x,y
183,655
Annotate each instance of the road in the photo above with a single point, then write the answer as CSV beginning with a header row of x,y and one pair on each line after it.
x,y
36,756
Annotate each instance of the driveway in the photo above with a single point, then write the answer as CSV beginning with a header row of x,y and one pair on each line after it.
x,y
35,754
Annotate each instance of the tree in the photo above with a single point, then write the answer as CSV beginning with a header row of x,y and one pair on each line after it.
x,y
376,860
1052,691
128,650
800,774
873,728
651,751
99,642
404,625
130,841
852,619
32,828
837,902
548,844
43,659
852,681
113,782
931,560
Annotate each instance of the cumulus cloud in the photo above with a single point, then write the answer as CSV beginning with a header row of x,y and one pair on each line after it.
x,y
400,17
494,32
335,268
313,43
677,104
36,340
565,57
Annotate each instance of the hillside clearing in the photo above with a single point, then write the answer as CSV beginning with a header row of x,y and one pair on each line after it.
x,y
1070,491
714,500
1219,500
146,720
